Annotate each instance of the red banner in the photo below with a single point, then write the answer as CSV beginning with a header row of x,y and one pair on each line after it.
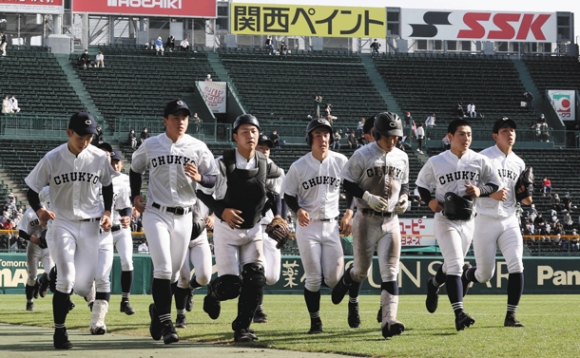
x,y
32,6
173,8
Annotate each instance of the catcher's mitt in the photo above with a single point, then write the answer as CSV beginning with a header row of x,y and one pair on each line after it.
x,y
526,179
42,239
278,230
457,207
197,227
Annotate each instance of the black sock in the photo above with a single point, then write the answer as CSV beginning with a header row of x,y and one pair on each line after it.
x,y
126,282
515,289
354,292
103,296
455,292
29,292
60,306
173,287
347,278
470,274
180,297
162,295
440,276
193,283
391,287
312,300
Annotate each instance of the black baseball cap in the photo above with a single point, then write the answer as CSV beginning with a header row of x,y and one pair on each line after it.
x,y
105,146
116,155
503,122
174,107
83,123
264,140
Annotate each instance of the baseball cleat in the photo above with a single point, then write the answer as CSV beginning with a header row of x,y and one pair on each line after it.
x,y
60,339
393,328
98,331
464,281
260,316
30,306
315,326
126,308
463,320
211,306
189,302
36,292
511,321
432,296
43,285
181,321
353,316
168,332
244,335
155,325
380,315
340,290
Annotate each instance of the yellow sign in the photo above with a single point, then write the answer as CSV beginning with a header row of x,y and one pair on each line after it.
x,y
305,20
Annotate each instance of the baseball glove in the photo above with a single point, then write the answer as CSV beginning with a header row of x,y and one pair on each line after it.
x,y
42,239
278,230
457,207
197,227
526,179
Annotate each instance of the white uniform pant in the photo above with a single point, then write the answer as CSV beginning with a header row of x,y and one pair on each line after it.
x,y
491,233
74,247
105,262
384,234
272,258
454,238
199,254
321,253
168,237
34,254
124,243
236,247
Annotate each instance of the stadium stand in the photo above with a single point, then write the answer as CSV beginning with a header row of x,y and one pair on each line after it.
x,y
554,72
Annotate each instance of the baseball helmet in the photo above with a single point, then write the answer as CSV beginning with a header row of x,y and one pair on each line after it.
x,y
315,123
387,124
245,119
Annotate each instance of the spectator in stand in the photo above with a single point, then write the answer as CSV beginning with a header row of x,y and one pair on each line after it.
x,y
408,120
430,121
554,215
14,104
317,103
542,129
144,135
375,47
420,133
471,110
8,225
100,60
574,240
159,46
3,43
6,106
540,224
208,78
270,45
143,248
566,202
327,110
359,127
330,118
352,141
567,221
184,45
275,138
170,43
403,145
283,49
85,59
459,110
529,99
336,143
547,186
196,123
555,202
132,137
446,143
532,213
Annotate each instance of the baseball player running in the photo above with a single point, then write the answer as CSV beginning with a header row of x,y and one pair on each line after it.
x,y
458,176
32,230
177,164
496,223
199,254
312,190
238,200
272,255
378,176
75,172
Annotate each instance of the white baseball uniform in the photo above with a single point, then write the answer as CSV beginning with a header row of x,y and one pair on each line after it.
x,y
447,173
496,223
75,183
30,224
316,185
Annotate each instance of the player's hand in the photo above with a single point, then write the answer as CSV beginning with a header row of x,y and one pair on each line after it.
x,y
435,205
303,217
45,215
402,205
125,221
500,195
34,239
139,203
346,223
472,191
375,202
191,172
106,221
232,218
209,220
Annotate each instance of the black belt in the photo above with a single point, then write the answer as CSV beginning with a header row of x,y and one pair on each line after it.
x,y
372,212
115,228
331,219
92,220
175,211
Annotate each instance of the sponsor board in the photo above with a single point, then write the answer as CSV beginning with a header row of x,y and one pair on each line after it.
x,y
32,6
174,8
563,102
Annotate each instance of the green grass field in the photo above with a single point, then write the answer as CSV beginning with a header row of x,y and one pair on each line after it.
x,y
552,326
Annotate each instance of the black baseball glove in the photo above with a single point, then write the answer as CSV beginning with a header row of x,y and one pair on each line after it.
x,y
526,179
457,207
197,227
279,231
42,239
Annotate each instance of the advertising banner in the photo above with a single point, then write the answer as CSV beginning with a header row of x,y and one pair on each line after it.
x,y
563,102
32,6
417,232
173,8
306,20
215,94
461,25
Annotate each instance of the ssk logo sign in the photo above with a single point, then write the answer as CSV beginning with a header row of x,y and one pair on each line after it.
x,y
479,26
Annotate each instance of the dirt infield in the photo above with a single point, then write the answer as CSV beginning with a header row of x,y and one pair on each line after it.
x,y
26,341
